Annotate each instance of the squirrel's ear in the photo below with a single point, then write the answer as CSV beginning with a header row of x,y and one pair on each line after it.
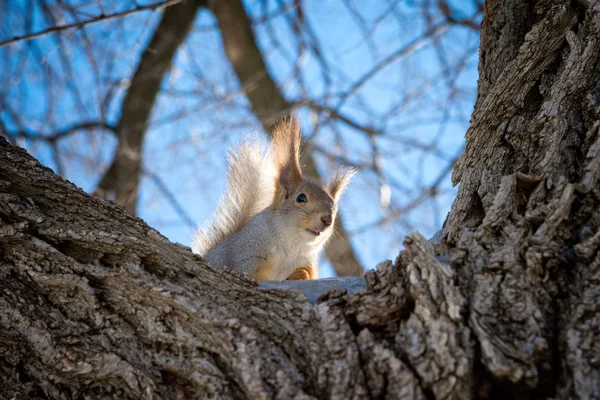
x,y
286,152
340,182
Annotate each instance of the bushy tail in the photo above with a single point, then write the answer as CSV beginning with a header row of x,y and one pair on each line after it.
x,y
250,189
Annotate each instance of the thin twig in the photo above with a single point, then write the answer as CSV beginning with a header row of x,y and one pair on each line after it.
x,y
401,52
54,137
335,114
430,191
80,24
162,187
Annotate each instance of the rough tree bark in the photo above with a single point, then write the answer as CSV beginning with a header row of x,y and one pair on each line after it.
x,y
95,304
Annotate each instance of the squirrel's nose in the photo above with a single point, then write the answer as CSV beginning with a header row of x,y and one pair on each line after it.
x,y
326,219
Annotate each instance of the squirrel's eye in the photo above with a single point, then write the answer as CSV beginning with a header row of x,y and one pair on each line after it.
x,y
301,198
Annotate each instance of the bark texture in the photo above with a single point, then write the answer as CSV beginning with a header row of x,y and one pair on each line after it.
x,y
524,229
95,304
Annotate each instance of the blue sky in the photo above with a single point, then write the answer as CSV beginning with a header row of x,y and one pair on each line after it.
x,y
59,80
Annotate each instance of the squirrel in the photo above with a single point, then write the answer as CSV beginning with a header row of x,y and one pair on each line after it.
x,y
272,222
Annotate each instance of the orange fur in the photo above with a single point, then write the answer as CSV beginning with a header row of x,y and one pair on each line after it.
x,y
302,274
264,272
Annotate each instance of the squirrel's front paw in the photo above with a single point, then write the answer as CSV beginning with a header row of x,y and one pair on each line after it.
x,y
301,274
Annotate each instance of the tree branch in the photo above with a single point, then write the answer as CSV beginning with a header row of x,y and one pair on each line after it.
x,y
401,52
336,114
81,24
121,181
58,135
179,209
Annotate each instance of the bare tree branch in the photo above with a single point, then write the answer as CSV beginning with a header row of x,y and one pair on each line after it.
x,y
401,52
338,115
121,180
81,24
168,194
58,135
432,190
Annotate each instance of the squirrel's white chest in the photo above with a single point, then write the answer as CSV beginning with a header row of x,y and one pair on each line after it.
x,y
288,255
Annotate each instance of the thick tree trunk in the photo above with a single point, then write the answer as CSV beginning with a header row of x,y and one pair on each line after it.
x,y
95,304
524,229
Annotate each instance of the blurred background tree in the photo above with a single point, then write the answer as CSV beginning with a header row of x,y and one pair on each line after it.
x,y
138,102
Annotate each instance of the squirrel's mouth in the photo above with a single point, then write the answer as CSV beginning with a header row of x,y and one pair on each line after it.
x,y
316,233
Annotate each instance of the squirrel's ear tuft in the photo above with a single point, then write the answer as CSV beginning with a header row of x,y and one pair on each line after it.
x,y
340,182
286,152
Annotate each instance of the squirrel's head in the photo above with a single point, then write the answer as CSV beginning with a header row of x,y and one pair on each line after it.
x,y
312,207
